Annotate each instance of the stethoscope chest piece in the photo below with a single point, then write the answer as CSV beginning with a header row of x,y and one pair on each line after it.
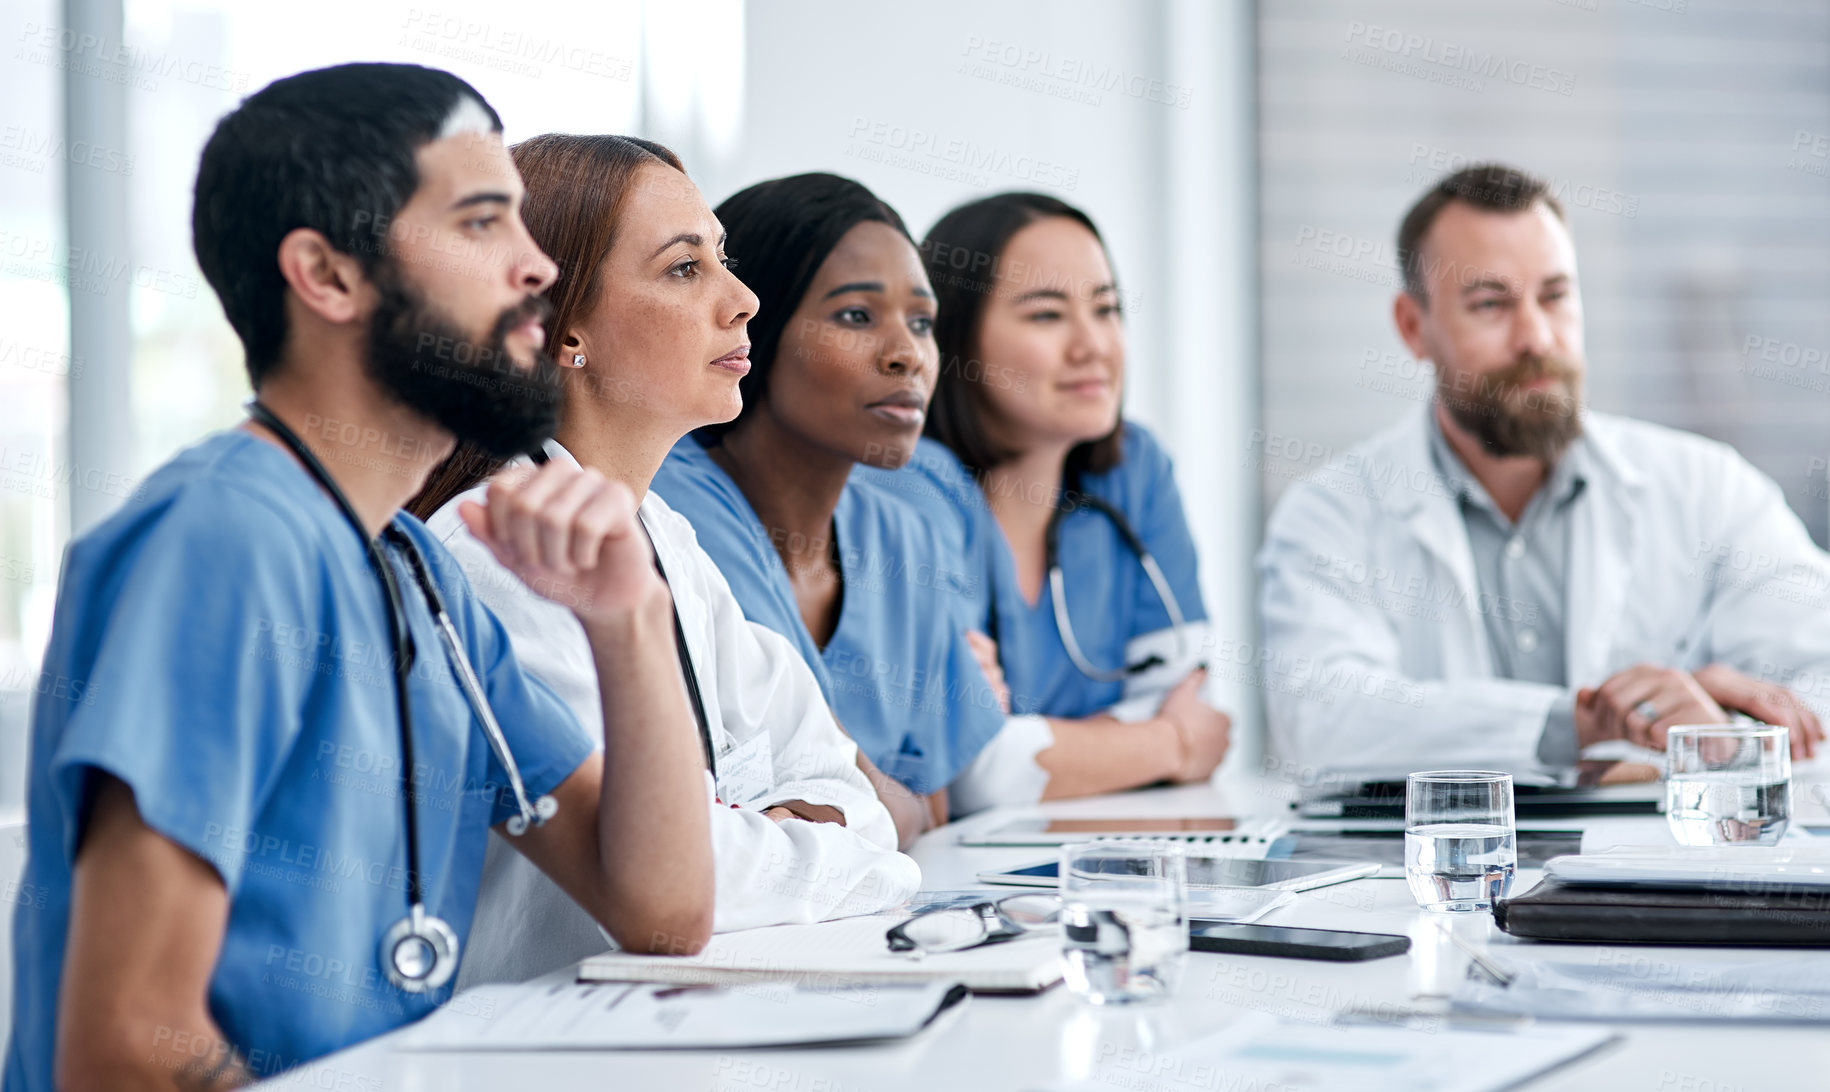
x,y
419,953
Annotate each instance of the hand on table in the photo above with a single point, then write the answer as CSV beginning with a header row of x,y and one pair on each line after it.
x,y
1596,772
801,809
1764,701
1642,704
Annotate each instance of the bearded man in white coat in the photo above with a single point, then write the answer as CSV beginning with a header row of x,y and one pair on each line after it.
x,y
1507,580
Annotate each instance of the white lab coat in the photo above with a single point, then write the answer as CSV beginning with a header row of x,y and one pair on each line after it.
x,y
1375,657
752,682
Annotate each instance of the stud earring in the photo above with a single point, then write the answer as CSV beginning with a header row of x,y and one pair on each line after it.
x,y
578,360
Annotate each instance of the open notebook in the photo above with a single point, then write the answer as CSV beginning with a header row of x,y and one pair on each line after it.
x,y
1216,835
556,1014
851,951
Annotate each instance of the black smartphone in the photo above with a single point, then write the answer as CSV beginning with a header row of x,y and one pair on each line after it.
x,y
1278,940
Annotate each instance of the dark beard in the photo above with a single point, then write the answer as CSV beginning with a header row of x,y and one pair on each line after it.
x,y
1509,420
471,387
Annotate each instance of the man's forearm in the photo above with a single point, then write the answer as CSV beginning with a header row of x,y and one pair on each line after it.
x,y
654,834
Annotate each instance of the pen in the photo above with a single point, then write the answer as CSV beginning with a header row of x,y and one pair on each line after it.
x,y
1500,975
1428,1019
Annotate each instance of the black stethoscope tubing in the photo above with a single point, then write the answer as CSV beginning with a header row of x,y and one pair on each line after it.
x,y
1077,499
420,951
686,657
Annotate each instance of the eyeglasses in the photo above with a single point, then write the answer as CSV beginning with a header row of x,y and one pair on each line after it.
x,y
957,928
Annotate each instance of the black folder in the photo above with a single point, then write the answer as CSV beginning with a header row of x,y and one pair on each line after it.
x,y
1385,800
1739,916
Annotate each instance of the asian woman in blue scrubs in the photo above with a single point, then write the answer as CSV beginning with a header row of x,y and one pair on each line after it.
x,y
1027,457
843,362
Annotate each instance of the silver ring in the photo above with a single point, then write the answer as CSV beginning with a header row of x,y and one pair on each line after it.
x,y
1648,710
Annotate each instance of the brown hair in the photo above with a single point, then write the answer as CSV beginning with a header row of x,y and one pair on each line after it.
x,y
962,252
576,187
1493,187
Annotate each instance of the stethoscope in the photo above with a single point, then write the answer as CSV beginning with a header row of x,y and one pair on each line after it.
x,y
1057,588
420,951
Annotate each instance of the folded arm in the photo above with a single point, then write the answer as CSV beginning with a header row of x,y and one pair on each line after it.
x,y
835,853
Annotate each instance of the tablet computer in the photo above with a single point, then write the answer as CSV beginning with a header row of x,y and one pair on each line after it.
x,y
1214,872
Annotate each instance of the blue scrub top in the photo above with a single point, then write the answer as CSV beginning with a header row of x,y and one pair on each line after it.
x,y
898,671
221,646
1110,600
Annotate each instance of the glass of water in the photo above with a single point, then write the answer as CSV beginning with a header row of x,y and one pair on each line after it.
x,y
1124,926
1460,844
1728,784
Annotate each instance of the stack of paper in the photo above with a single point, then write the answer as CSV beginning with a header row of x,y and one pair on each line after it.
x,y
1260,1052
1651,985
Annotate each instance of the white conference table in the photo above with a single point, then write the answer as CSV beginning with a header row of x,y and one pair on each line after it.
x,y
1036,1042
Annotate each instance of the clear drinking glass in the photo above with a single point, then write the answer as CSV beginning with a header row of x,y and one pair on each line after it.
x,y
1124,926
1460,843
1728,784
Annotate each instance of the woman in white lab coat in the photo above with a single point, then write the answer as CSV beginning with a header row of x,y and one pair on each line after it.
x,y
652,322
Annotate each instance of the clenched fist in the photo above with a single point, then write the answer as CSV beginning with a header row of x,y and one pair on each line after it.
x,y
572,535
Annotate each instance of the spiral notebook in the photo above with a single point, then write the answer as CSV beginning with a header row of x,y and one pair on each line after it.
x,y
1240,837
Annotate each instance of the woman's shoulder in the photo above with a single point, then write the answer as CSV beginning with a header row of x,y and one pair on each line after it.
x,y
1144,467
933,485
685,562
1143,452
703,510
694,487
910,507
872,504
1138,439
445,525
937,463
672,533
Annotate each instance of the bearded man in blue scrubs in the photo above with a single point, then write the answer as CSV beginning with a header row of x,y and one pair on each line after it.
x,y
224,814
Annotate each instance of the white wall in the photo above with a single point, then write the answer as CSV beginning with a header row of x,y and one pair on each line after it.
x,y
744,91
1672,129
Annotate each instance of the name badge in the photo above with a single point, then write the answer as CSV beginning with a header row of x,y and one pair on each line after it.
x,y
747,771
